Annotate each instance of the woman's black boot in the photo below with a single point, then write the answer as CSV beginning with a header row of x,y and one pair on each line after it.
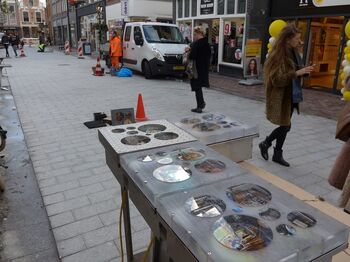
x,y
278,157
264,148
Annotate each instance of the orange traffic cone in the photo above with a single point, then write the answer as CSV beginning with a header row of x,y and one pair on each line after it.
x,y
140,112
22,53
98,70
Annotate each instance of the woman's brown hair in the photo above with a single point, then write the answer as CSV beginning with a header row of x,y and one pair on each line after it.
x,y
280,59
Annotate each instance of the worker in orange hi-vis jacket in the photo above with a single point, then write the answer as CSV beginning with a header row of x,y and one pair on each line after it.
x,y
115,49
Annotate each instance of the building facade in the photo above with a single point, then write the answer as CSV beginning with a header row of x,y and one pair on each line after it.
x,y
31,18
10,21
59,21
48,15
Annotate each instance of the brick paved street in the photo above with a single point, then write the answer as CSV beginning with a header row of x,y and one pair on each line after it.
x,y
55,94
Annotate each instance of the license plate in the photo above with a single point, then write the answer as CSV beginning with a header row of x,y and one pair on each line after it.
x,y
179,68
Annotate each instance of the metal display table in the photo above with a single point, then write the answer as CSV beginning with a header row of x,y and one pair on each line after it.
x,y
197,208
230,137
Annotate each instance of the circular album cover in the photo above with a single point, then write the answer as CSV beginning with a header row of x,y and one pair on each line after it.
x,y
172,173
301,219
152,128
190,154
286,230
118,130
270,214
190,121
212,117
211,166
206,127
242,233
135,140
146,158
166,136
250,195
205,206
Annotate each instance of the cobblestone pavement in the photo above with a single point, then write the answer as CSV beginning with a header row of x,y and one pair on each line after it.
x,y
316,102
55,94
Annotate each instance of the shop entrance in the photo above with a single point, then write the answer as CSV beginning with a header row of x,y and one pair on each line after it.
x,y
323,39
212,28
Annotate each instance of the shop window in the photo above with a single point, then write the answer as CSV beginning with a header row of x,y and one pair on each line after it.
x,y
38,17
187,8
233,41
194,7
179,8
230,6
25,16
11,9
31,3
241,6
221,7
186,31
127,33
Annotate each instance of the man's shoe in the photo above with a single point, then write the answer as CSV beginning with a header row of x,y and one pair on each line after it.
x,y
197,110
278,158
204,104
264,149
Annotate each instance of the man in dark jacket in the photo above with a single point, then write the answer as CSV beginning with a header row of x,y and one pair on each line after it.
x,y
15,42
200,54
5,40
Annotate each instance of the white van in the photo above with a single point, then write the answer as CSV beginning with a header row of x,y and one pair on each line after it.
x,y
153,48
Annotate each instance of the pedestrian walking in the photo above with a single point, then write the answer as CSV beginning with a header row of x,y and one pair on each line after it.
x,y
115,49
5,40
340,173
199,56
283,72
15,42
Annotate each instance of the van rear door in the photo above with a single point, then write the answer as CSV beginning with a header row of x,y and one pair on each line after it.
x,y
128,53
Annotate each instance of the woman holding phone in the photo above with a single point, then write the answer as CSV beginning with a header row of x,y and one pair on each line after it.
x,y
282,70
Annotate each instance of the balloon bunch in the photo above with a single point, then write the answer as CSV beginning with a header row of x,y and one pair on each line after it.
x,y
345,75
274,30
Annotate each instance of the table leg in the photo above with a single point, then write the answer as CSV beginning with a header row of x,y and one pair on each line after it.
x,y
127,224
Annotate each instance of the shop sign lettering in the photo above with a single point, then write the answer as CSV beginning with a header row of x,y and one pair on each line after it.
x,y
322,3
207,7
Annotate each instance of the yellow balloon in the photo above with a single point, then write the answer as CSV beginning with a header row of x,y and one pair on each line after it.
x,y
269,46
342,76
347,56
346,95
347,29
276,27
347,50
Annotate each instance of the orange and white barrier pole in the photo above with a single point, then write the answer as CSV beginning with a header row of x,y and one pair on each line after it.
x,y
80,50
67,48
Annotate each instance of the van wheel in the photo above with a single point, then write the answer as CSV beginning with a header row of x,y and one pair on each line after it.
x,y
146,70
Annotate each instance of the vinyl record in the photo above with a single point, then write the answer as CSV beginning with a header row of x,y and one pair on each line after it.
x,y
242,233
118,130
286,230
206,127
132,133
172,173
205,206
190,121
152,128
190,154
131,128
250,195
301,219
222,122
211,166
161,153
165,160
146,158
135,140
166,136
270,214
212,117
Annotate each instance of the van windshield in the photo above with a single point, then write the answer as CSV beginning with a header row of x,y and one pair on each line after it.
x,y
163,34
